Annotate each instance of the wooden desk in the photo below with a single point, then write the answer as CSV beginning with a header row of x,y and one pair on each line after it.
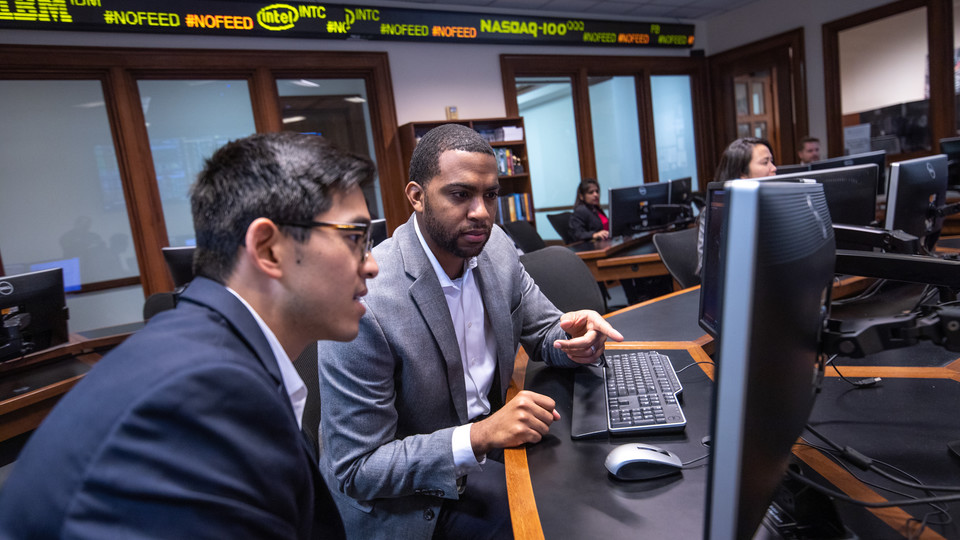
x,y
31,386
621,258
904,421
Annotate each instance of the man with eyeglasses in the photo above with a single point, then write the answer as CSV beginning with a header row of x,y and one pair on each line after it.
x,y
191,428
414,419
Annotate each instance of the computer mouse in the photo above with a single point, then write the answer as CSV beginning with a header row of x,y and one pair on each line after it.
x,y
638,461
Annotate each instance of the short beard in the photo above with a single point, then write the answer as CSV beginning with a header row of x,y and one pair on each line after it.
x,y
445,239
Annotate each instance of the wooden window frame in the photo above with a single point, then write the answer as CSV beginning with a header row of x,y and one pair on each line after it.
x,y
580,68
119,69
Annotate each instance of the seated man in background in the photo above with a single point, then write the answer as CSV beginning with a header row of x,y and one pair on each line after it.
x,y
425,405
809,150
191,428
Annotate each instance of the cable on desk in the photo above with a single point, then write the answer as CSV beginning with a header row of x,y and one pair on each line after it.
x,y
865,294
691,364
862,383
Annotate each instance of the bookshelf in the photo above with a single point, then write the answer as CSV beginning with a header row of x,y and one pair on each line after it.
x,y
507,137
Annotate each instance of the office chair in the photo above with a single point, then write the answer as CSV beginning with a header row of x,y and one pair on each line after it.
x,y
561,222
678,251
158,302
564,279
525,235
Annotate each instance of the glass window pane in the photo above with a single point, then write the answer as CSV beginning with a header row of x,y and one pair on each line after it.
x,y
616,132
546,105
187,121
760,130
673,127
743,130
757,97
336,109
740,93
62,197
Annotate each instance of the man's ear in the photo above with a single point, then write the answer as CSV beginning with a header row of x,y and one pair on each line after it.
x,y
415,194
263,248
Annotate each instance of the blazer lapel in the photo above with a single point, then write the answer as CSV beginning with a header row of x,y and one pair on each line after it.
x,y
433,307
498,314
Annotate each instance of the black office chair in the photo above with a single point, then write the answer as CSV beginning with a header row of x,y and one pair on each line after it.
x,y
564,278
561,222
678,251
158,302
525,235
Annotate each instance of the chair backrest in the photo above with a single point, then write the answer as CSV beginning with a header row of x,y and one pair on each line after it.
x,y
678,251
561,223
525,235
563,278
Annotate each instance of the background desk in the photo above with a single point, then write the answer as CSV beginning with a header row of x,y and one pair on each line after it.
x,y
559,488
626,257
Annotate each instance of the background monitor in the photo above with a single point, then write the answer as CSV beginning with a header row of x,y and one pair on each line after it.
x,y
917,188
629,207
850,191
180,263
378,228
71,272
878,157
790,169
778,263
710,269
951,148
681,190
33,310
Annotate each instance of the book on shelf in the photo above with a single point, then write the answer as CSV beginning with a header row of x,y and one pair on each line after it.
x,y
514,207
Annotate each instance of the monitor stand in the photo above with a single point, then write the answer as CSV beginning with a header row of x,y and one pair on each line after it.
x,y
800,513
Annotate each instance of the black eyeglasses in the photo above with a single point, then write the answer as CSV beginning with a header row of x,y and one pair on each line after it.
x,y
361,239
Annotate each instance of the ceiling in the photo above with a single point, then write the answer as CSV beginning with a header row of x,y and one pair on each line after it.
x,y
594,9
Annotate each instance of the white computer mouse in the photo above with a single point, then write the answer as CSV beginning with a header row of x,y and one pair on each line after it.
x,y
638,461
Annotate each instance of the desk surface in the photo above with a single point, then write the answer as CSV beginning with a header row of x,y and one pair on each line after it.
x,y
560,489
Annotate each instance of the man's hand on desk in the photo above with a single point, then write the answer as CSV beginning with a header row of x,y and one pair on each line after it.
x,y
588,331
524,419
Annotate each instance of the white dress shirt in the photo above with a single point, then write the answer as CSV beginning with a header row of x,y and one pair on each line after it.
x,y
478,348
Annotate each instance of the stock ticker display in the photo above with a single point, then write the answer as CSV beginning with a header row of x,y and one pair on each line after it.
x,y
332,21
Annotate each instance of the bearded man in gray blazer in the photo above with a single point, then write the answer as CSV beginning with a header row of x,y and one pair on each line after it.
x,y
416,403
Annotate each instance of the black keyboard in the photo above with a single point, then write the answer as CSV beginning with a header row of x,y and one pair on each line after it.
x,y
636,391
642,392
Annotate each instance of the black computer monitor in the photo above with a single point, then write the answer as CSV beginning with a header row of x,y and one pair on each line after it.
x,y
778,263
33,310
917,188
378,228
640,208
790,169
951,148
710,268
681,190
180,263
878,157
850,191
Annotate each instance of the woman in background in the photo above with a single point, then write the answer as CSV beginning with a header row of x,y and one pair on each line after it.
x,y
588,221
748,157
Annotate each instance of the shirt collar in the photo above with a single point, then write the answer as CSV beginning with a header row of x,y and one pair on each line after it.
x,y
296,389
445,280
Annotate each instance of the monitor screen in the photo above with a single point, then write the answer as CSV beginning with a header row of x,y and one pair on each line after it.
x,y
850,191
917,188
778,262
710,268
951,147
790,169
637,208
33,309
681,190
878,157
378,228
180,263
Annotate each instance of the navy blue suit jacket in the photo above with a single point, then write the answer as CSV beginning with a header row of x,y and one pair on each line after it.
x,y
183,431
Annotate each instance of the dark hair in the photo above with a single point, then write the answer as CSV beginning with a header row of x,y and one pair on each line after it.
x,y
805,140
285,177
425,162
735,162
582,189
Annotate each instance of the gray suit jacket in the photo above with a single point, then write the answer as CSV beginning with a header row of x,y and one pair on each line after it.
x,y
392,397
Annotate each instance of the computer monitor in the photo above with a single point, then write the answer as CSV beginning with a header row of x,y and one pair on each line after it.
x,y
790,169
180,263
641,208
878,157
33,311
778,262
917,188
951,147
378,228
681,190
850,191
710,268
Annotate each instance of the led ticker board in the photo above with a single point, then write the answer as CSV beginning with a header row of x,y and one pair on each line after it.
x,y
332,21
